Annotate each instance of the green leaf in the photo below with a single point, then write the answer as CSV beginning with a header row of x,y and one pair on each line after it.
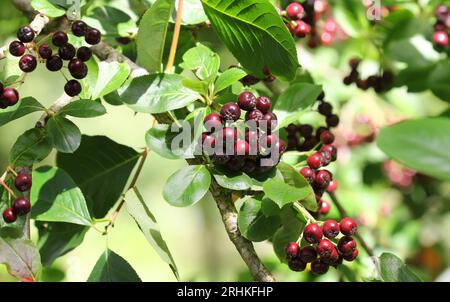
x,y
283,193
31,147
233,181
438,80
204,62
83,108
158,93
228,78
111,21
253,224
393,269
101,168
256,35
152,33
57,239
64,133
47,8
420,145
24,107
55,197
146,221
413,77
193,13
187,186
159,140
196,85
289,232
110,267
21,258
111,76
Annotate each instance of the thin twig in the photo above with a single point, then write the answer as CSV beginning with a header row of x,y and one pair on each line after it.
x,y
176,34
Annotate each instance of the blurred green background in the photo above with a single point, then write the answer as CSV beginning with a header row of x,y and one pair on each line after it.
x,y
410,218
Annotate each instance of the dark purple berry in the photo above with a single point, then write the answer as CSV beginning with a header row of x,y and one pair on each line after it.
x,y
67,52
325,248
236,163
254,115
93,36
23,182
249,166
230,112
296,264
332,120
247,101
312,233
263,104
45,51
84,53
318,267
9,216
305,130
78,69
327,137
330,228
54,63
308,254
292,250
325,109
25,34
72,88
28,63
346,245
59,38
348,226
322,179
16,48
79,28
352,256
10,96
21,206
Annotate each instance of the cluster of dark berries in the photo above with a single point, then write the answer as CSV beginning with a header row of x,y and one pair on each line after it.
x,y
250,80
21,205
380,83
305,20
66,52
8,96
303,138
442,27
323,253
247,144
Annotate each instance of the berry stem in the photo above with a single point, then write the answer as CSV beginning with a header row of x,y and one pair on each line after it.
x,y
11,170
176,35
7,188
304,212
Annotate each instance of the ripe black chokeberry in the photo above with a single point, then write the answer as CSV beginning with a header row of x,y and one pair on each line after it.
x,y
312,233
60,38
327,137
332,120
17,48
322,179
25,34
72,88
280,145
78,69
21,206
221,159
9,216
305,130
28,63
236,163
325,109
348,226
10,96
67,52
230,112
93,36
213,121
79,28
23,182
308,174
330,228
346,245
263,104
84,53
333,258
292,250
45,51
249,166
318,267
247,101
325,248
54,63
254,115
308,254
295,11
314,160
296,264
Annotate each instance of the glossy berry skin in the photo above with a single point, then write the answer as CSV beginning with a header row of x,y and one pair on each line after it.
x,y
302,29
332,186
292,250
16,48
332,120
308,174
10,96
296,264
267,141
308,254
312,233
9,216
247,101
346,245
322,179
67,52
78,69
79,28
441,38
25,34
325,248
352,256
295,11
54,63
84,53
21,206
327,137
28,63
23,182
209,142
331,150
254,115
324,207
326,158
280,145
213,121
229,134
325,109
93,36
305,130
314,161
330,228
263,104
268,121
318,267
59,38
333,258
230,112
348,226
45,51
241,147
72,88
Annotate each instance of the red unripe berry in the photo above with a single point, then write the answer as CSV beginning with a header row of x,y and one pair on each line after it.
x,y
9,216
241,147
352,256
324,207
314,161
21,206
295,11
213,121
229,134
331,150
322,179
308,254
23,182
302,29
327,137
292,250
441,38
330,228
254,115
346,245
333,258
312,233
318,267
348,226
332,186
326,38
308,174
325,248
